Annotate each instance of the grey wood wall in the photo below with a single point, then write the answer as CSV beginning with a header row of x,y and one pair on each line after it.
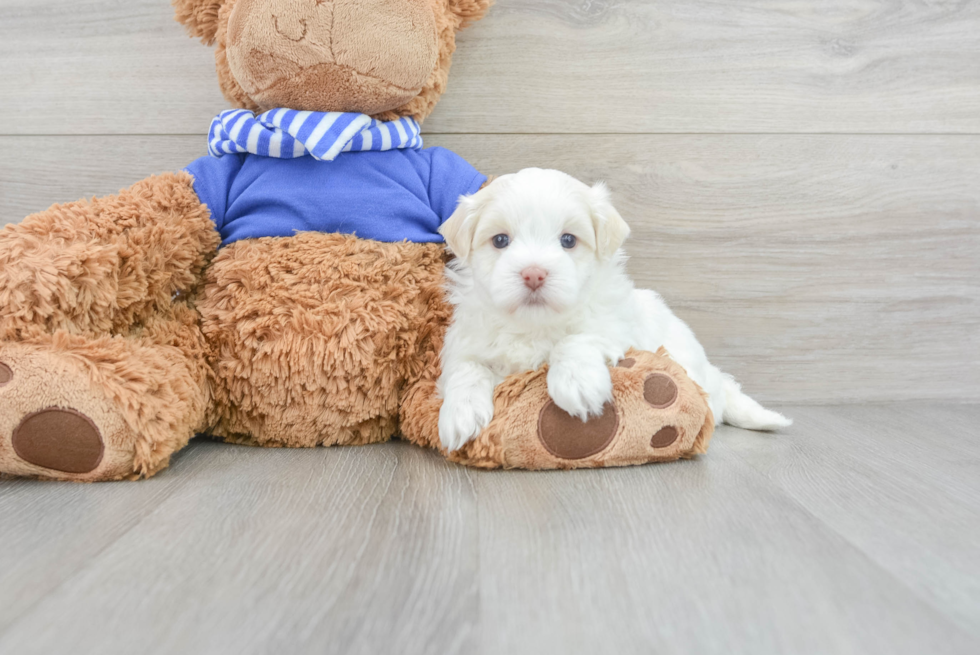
x,y
803,178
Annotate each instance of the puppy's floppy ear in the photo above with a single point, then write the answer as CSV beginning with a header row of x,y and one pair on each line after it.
x,y
610,228
459,230
200,17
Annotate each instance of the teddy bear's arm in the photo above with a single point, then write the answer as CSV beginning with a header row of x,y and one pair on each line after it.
x,y
104,264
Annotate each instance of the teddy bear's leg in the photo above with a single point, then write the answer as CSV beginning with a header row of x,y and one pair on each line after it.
x,y
313,336
102,366
83,408
658,414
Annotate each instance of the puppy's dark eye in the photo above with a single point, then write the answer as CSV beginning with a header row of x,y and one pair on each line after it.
x,y
568,241
501,241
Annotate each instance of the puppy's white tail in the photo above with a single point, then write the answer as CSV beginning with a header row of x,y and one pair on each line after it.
x,y
743,412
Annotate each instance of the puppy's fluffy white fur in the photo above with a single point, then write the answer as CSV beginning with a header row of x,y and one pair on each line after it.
x,y
581,319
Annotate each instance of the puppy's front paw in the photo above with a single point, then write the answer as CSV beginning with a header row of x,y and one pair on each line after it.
x,y
461,419
580,388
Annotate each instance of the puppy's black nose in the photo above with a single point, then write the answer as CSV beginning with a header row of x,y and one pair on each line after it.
x,y
534,277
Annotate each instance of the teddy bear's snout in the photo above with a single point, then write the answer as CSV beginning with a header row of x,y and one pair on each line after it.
x,y
367,56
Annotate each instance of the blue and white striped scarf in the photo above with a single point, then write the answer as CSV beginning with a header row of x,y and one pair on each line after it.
x,y
287,134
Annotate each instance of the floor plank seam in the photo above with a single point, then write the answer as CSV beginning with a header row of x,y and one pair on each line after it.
x,y
478,573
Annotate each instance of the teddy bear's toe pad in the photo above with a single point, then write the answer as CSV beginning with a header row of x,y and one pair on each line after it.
x,y
660,390
567,437
59,439
6,375
664,437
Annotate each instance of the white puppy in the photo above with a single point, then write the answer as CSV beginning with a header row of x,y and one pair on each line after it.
x,y
539,278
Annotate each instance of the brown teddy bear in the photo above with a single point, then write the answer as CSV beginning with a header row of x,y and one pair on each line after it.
x,y
286,290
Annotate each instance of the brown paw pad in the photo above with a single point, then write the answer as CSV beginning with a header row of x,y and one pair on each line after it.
x,y
628,362
660,391
6,375
59,439
565,436
664,437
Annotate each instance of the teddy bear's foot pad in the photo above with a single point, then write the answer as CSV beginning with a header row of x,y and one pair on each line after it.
x,y
59,439
56,421
567,437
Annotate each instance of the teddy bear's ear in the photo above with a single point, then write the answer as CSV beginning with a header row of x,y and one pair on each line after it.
x,y
469,11
200,17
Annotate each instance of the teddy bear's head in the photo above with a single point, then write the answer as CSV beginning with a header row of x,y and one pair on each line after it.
x,y
385,58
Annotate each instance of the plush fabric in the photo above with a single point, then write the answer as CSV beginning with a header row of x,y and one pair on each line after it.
x,y
203,19
97,314
278,56
314,337
106,265
200,17
516,437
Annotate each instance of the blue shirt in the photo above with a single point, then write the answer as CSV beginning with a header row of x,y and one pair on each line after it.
x,y
393,195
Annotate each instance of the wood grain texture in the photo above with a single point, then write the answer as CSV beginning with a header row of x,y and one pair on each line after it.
x,y
814,268
52,531
901,483
342,550
872,66
102,67
697,557
852,532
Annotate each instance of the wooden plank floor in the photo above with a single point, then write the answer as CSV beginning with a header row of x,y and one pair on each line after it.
x,y
856,531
